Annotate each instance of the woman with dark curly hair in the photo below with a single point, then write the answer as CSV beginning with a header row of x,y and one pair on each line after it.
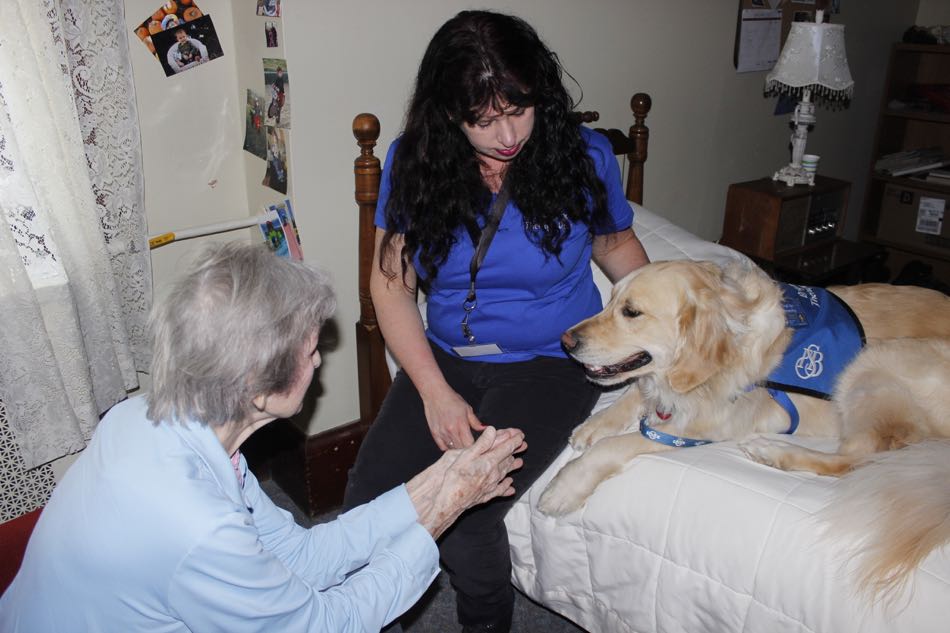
x,y
488,142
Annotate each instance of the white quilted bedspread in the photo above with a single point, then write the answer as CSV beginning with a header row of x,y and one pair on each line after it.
x,y
701,539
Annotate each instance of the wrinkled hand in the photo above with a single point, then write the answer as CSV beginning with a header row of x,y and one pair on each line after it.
x,y
451,420
466,477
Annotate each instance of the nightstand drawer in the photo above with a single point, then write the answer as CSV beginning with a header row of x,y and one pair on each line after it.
x,y
791,226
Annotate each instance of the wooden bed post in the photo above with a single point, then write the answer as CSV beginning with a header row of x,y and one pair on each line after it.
x,y
640,103
373,374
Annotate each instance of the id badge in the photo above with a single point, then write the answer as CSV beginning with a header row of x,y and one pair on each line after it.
x,y
466,351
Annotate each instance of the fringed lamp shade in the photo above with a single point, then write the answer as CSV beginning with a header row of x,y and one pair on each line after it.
x,y
813,61
813,58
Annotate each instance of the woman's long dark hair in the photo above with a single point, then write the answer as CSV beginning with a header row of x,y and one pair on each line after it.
x,y
478,60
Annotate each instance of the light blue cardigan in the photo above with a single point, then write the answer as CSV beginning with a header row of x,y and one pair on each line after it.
x,y
150,530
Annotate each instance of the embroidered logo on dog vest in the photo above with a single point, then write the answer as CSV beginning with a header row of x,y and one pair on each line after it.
x,y
809,364
826,337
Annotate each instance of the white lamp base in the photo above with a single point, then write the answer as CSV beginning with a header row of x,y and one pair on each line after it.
x,y
794,175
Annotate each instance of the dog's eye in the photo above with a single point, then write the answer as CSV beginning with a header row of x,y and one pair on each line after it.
x,y
630,313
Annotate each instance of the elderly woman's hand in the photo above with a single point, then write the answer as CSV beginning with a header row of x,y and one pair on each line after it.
x,y
463,478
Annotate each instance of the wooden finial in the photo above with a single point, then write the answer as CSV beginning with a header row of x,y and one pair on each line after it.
x,y
587,116
366,130
640,103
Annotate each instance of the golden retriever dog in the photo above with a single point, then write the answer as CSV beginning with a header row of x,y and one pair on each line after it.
x,y
699,343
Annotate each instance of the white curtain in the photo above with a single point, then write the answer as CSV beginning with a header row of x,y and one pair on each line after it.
x,y
75,282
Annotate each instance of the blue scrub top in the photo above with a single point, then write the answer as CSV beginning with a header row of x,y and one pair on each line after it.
x,y
526,298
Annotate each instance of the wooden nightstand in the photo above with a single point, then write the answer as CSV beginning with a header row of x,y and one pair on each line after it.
x,y
766,218
794,232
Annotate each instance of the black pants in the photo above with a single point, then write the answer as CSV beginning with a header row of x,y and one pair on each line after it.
x,y
544,397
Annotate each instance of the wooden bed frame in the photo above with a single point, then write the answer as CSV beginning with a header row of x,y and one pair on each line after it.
x,y
373,372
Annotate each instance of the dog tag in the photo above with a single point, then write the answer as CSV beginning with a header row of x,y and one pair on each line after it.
x,y
476,350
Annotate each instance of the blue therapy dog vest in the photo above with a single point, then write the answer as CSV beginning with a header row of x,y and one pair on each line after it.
x,y
826,336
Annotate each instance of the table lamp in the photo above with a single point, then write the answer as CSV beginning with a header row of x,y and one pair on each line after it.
x,y
812,62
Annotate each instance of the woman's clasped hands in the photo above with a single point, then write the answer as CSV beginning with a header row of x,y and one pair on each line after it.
x,y
462,478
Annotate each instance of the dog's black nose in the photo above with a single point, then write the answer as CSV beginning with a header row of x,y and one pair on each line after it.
x,y
568,341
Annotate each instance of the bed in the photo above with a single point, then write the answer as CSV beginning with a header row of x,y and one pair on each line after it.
x,y
690,540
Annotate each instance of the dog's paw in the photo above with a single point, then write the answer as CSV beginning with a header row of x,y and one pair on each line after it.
x,y
584,435
593,430
568,491
763,450
557,500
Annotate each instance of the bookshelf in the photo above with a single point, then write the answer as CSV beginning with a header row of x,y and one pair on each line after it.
x,y
902,213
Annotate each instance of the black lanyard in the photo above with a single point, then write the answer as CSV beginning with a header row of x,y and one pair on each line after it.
x,y
488,232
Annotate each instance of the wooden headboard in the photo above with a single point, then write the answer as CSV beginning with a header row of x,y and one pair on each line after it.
x,y
373,373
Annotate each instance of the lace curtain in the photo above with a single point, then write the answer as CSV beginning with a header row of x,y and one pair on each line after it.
x,y
75,286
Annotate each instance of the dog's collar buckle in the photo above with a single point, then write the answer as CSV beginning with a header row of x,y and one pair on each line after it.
x,y
666,438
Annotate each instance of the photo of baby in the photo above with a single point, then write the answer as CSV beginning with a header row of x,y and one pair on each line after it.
x,y
188,45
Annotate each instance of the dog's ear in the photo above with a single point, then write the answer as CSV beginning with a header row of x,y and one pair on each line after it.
x,y
705,342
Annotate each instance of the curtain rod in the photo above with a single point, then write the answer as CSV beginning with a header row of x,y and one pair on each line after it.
x,y
208,229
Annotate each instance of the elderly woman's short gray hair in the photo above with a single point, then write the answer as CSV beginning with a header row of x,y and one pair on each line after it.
x,y
230,330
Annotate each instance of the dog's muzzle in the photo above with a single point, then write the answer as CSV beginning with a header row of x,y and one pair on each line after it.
x,y
572,344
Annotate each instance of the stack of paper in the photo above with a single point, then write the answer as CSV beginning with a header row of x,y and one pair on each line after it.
x,y
911,161
939,176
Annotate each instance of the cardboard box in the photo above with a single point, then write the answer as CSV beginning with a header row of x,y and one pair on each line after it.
x,y
915,218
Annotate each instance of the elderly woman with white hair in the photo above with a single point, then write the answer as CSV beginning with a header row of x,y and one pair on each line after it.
x,y
160,526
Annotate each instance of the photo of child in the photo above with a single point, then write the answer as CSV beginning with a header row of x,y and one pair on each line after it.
x,y
186,46
270,34
255,138
277,88
275,176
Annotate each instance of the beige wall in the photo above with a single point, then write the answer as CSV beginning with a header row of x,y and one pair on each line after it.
x,y
710,126
932,12
192,135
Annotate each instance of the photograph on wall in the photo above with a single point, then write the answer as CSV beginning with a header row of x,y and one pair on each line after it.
x,y
277,89
255,139
288,223
274,235
280,230
270,34
187,46
276,175
166,17
269,8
